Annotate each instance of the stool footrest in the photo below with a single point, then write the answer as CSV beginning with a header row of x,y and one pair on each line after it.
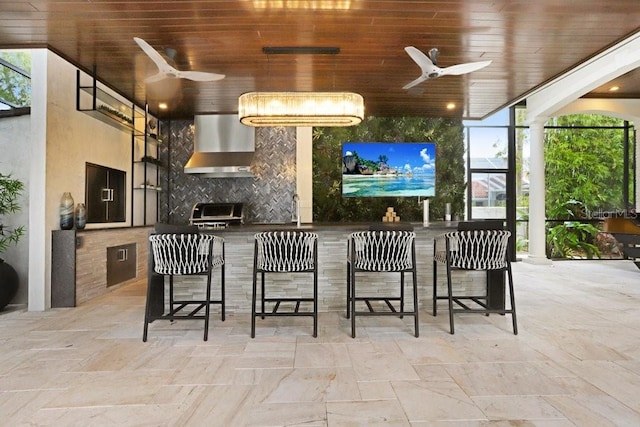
x,y
212,302
278,301
386,313
386,300
182,305
482,310
288,313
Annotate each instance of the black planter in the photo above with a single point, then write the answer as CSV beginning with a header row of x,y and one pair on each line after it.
x,y
8,283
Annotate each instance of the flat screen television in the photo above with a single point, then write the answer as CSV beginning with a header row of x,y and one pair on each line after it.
x,y
388,169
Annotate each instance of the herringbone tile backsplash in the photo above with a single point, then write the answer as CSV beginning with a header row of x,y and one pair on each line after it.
x,y
267,196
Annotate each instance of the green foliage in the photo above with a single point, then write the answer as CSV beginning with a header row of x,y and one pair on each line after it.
x,y
328,203
583,172
14,87
584,164
572,238
10,190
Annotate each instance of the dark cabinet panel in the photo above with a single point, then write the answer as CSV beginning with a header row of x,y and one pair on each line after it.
x,y
116,181
121,263
105,194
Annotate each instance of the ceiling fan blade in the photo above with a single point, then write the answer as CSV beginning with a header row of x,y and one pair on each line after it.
x,y
153,54
415,82
456,70
166,70
200,76
156,77
423,61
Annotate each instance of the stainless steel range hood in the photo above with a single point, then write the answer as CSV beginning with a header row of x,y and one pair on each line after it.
x,y
223,147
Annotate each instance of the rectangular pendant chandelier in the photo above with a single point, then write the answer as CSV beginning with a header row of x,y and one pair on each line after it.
x,y
300,108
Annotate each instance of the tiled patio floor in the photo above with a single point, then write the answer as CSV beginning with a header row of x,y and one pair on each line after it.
x,y
576,361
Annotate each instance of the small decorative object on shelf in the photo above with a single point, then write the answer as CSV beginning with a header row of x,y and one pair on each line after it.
x,y
149,186
152,127
66,211
390,216
81,216
123,117
152,160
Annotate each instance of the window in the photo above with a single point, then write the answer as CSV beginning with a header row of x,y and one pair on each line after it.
x,y
15,81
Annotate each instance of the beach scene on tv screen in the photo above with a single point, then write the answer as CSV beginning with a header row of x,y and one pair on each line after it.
x,y
388,169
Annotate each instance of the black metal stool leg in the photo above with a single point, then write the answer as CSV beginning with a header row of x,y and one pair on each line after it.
x,y
253,304
435,289
262,295
353,303
222,293
147,312
513,300
415,302
402,293
207,307
315,302
348,290
450,292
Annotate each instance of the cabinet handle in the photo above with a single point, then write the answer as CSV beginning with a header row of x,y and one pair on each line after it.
x,y
123,254
107,195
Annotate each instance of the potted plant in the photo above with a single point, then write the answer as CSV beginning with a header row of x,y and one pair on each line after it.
x,y
10,190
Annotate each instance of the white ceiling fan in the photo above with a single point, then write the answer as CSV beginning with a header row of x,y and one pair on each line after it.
x,y
167,71
431,71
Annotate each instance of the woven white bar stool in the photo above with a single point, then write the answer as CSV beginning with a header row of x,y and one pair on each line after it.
x,y
284,252
472,250
186,254
381,251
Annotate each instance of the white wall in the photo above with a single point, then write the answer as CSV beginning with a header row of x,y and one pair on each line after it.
x,y
14,160
62,140
74,138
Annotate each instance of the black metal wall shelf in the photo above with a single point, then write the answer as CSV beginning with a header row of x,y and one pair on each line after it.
x,y
105,107
145,168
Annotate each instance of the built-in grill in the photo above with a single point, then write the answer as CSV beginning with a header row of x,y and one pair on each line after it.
x,y
216,215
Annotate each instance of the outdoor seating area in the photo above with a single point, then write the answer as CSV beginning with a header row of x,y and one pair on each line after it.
x,y
319,213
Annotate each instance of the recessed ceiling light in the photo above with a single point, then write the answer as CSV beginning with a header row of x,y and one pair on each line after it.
x,y
163,106
451,106
614,88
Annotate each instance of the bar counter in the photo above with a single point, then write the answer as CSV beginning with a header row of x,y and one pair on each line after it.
x,y
332,253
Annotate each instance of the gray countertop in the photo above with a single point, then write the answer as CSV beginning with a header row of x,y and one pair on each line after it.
x,y
316,226
329,226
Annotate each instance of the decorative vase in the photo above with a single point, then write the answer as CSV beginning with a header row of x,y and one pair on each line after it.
x,y
66,211
81,216
8,283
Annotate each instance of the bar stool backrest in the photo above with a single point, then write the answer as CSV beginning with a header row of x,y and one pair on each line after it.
x,y
286,251
388,250
477,249
182,254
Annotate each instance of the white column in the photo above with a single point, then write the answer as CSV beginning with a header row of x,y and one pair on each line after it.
x,y
636,123
537,253
304,172
39,273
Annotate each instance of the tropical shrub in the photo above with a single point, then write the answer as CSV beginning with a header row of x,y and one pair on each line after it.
x,y
10,190
572,238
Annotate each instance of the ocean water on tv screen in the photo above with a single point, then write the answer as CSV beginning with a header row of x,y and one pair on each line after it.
x,y
383,186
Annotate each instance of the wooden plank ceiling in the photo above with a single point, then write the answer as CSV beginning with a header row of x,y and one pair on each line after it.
x,y
529,43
